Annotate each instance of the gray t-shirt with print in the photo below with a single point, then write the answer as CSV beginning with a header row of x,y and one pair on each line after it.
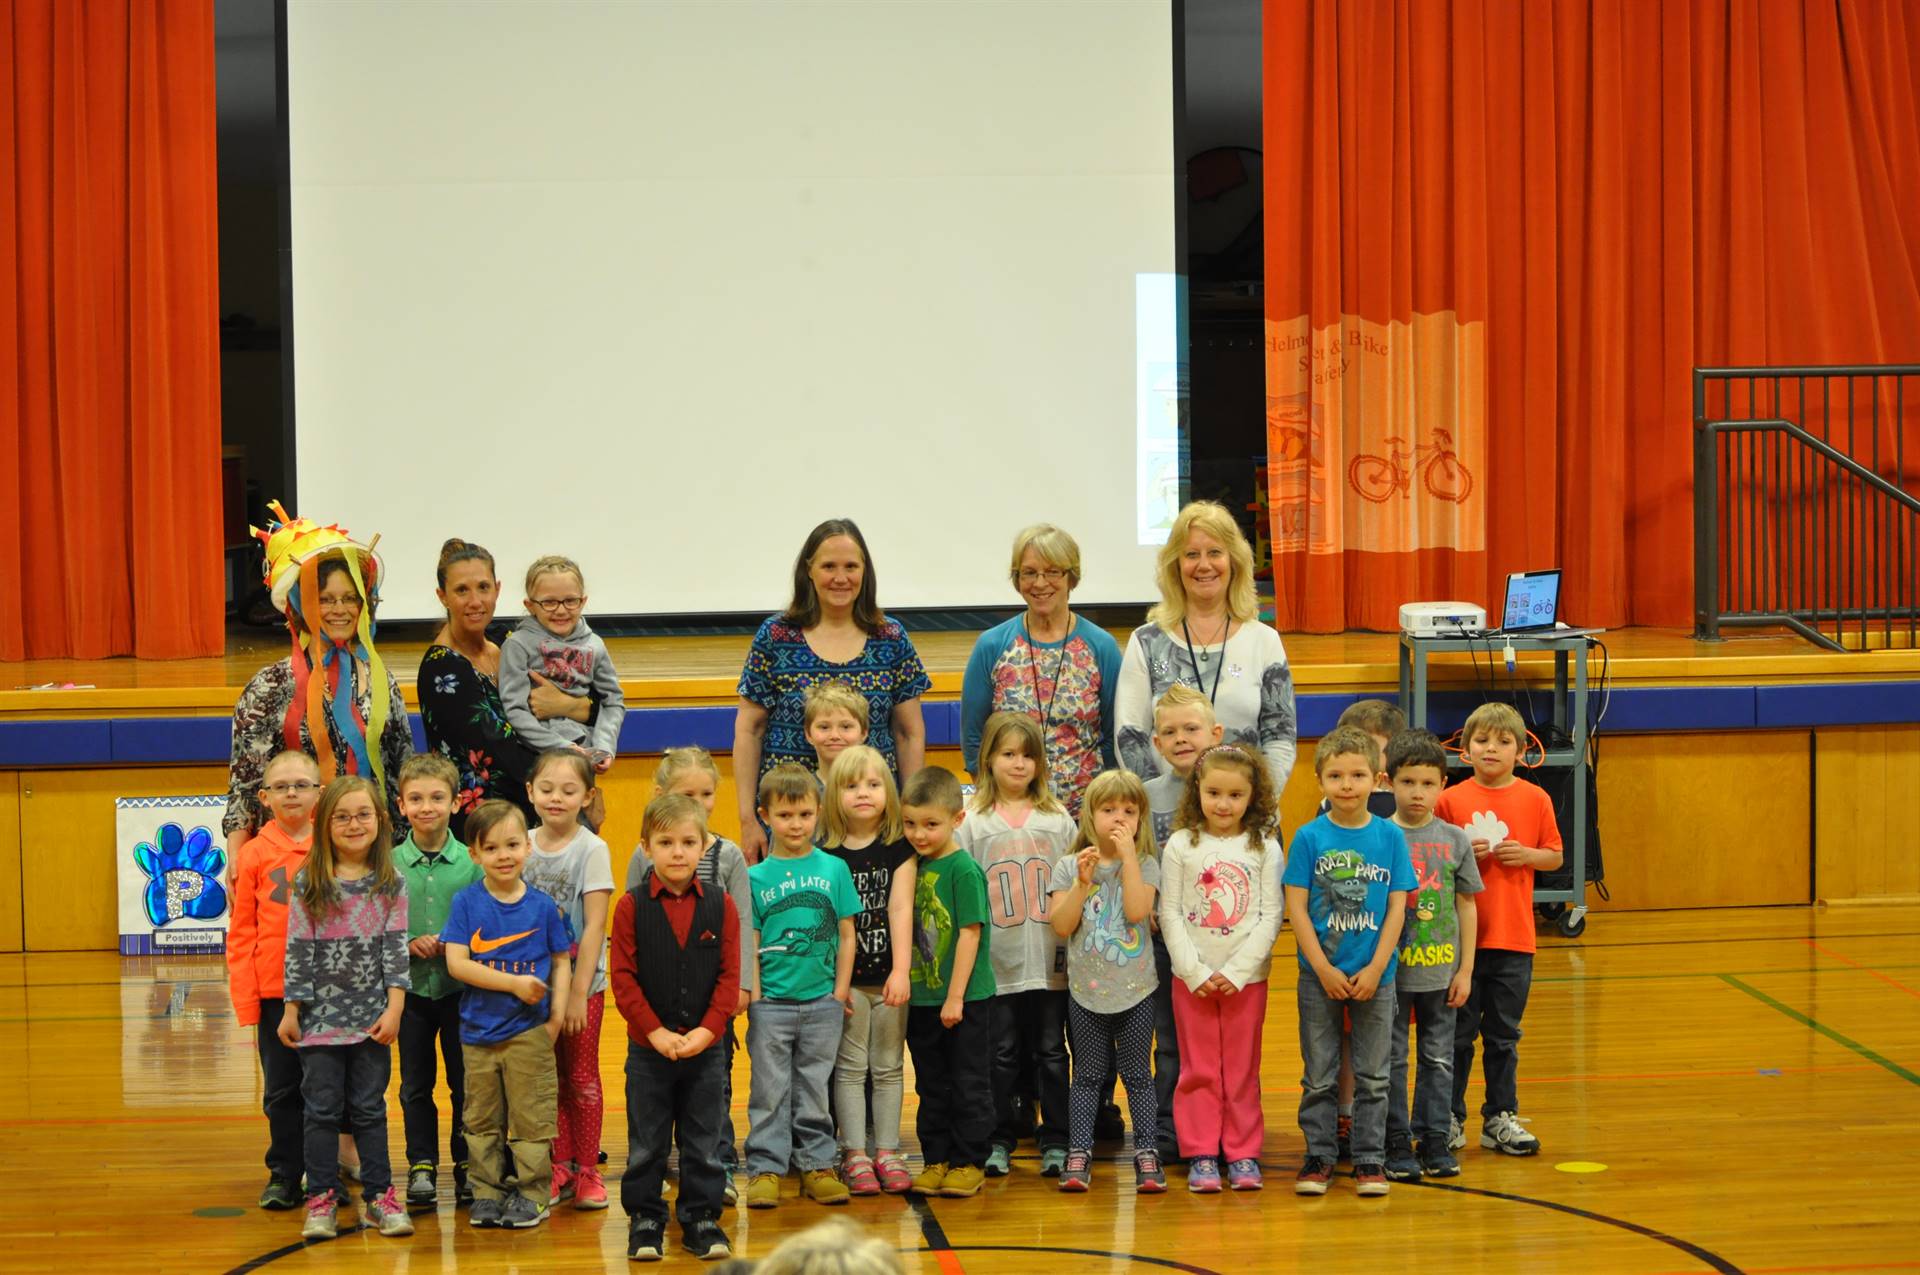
x,y
1430,938
1109,959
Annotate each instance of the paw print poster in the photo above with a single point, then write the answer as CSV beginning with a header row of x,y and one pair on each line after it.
x,y
172,867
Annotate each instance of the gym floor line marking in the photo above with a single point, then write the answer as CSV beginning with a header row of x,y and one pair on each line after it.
x,y
1896,984
1822,1028
1654,978
1710,1258
935,1236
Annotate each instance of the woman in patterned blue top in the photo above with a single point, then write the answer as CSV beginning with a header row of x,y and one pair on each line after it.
x,y
833,629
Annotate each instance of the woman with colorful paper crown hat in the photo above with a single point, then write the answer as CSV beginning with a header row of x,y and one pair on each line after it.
x,y
332,696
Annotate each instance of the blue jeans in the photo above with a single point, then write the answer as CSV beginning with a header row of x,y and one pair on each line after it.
x,y
791,1045
1322,1028
345,1089
1433,1081
668,1099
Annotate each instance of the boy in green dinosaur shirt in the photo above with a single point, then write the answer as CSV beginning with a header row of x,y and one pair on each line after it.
x,y
948,1015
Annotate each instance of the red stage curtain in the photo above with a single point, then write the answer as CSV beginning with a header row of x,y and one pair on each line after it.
x,y
109,331
1499,236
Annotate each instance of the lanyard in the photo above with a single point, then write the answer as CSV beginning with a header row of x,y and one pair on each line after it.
x,y
1033,666
1199,678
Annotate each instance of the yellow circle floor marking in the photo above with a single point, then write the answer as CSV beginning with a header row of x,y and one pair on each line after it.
x,y
1580,1166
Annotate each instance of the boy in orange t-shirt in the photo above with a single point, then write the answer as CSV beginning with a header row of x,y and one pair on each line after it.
x,y
257,956
1514,833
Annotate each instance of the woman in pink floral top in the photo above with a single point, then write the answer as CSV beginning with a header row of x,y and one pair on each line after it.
x,y
1056,667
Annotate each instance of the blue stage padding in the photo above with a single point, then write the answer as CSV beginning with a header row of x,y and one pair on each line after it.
x,y
179,741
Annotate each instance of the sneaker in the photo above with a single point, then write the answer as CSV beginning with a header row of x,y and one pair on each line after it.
x,y
963,1180
1244,1175
823,1186
1401,1165
895,1178
1456,1135
589,1190
1436,1161
1107,1125
462,1189
705,1240
1148,1177
1343,1140
1315,1172
1370,1179
1053,1160
860,1176
763,1191
281,1194
421,1186
928,1180
1502,1132
730,1192
386,1214
1077,1174
521,1214
646,1240
323,1218
1203,1175
999,1162
562,1183
486,1211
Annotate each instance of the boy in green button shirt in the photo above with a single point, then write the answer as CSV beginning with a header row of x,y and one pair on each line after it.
x,y
435,867
951,975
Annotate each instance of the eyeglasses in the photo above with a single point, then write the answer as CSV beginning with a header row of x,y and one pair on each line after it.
x,y
1052,575
344,820
348,602
287,790
554,605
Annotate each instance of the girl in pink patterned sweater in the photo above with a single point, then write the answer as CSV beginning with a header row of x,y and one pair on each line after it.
x,y
346,985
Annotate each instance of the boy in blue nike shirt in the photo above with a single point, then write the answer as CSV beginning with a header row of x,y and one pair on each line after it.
x,y
509,944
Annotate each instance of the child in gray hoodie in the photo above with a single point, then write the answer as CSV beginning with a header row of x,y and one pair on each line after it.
x,y
554,641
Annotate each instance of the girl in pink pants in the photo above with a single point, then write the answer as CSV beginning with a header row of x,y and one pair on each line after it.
x,y
1220,910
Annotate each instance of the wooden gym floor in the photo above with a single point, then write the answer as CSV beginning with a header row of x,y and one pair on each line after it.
x,y
1735,1090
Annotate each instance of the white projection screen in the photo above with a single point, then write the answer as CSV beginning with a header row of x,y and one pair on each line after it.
x,y
662,285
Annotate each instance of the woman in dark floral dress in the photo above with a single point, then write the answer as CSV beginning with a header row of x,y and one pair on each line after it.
x,y
460,697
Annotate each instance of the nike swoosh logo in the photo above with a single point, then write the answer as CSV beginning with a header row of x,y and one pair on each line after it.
x,y
480,946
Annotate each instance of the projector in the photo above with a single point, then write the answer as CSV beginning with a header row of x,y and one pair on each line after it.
x,y
1436,619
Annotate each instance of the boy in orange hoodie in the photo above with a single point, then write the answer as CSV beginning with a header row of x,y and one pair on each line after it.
x,y
257,955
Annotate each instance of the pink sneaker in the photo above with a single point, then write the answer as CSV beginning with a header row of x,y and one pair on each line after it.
x,y
562,1182
589,1191
895,1177
857,1172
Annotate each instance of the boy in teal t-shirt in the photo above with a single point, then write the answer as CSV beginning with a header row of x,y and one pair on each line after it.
x,y
804,904
950,1008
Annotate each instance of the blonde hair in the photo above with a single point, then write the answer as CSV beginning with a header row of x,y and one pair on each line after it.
x,y
1180,695
677,763
822,696
1342,740
430,766
290,755
1055,547
837,1247
552,565
1374,716
319,890
1115,785
850,765
1040,787
1262,816
1495,719
1243,603
670,810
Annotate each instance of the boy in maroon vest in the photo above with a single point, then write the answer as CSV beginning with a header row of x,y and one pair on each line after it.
x,y
675,974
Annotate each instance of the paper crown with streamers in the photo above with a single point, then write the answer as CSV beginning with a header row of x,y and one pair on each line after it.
x,y
295,549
